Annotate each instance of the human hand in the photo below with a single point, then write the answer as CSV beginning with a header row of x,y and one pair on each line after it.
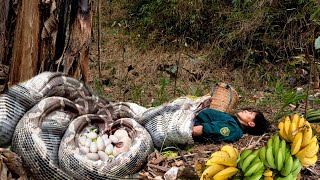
x,y
197,130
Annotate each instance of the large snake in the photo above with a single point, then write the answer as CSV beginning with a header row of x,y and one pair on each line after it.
x,y
42,118
171,123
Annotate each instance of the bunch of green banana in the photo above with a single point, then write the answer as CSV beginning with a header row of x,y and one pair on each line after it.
x,y
277,155
222,164
268,175
273,155
313,115
292,166
251,165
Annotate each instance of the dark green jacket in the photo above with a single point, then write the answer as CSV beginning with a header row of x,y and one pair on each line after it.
x,y
219,126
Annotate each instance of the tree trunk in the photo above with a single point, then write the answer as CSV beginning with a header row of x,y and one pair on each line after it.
x,y
75,60
53,35
36,33
4,13
6,33
26,42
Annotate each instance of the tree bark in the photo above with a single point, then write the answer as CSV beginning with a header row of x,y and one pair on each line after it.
x,y
75,59
49,30
4,13
26,42
64,8
33,36
6,29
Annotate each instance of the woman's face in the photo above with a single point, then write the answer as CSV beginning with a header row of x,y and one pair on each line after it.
x,y
246,117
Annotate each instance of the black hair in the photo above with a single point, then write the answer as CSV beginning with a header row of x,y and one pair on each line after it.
x,y
261,125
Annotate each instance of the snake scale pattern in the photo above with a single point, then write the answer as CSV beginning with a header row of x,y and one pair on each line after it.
x,y
171,123
42,119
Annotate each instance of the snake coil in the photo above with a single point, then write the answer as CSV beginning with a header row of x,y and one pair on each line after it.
x,y
42,119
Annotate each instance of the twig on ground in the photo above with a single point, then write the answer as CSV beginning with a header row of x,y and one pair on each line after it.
x,y
158,160
187,155
313,171
152,172
190,155
248,144
256,142
161,168
184,158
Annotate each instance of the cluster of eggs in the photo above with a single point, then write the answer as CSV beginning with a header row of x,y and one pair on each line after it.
x,y
102,147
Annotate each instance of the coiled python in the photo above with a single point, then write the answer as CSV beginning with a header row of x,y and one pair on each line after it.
x,y
42,118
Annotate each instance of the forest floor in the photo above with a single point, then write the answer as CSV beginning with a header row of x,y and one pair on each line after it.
x,y
151,77
143,77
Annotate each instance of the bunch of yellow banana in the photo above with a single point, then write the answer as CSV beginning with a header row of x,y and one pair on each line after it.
x,y
304,145
251,165
222,164
276,155
289,128
308,154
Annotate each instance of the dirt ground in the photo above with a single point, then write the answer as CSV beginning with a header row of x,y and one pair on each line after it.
x,y
142,85
144,89
154,76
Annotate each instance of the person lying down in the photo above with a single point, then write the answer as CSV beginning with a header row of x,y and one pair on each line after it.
x,y
189,119
215,125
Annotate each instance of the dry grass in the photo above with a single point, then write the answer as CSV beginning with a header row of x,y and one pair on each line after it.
x,y
142,84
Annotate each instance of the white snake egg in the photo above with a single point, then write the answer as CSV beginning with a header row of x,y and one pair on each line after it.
x,y
84,150
121,133
93,147
109,149
107,142
126,141
100,143
115,151
103,156
104,136
114,139
88,142
92,135
93,156
82,140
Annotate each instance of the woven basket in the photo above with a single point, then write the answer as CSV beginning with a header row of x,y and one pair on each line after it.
x,y
224,97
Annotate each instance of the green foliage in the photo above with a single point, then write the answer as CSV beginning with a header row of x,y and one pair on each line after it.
x,y
280,97
197,91
292,97
288,97
98,87
250,34
137,94
165,21
162,95
169,154
240,32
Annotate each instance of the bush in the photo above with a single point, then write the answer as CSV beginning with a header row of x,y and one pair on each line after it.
x,y
239,32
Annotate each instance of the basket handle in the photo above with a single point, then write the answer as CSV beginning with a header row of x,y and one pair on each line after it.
x,y
227,87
